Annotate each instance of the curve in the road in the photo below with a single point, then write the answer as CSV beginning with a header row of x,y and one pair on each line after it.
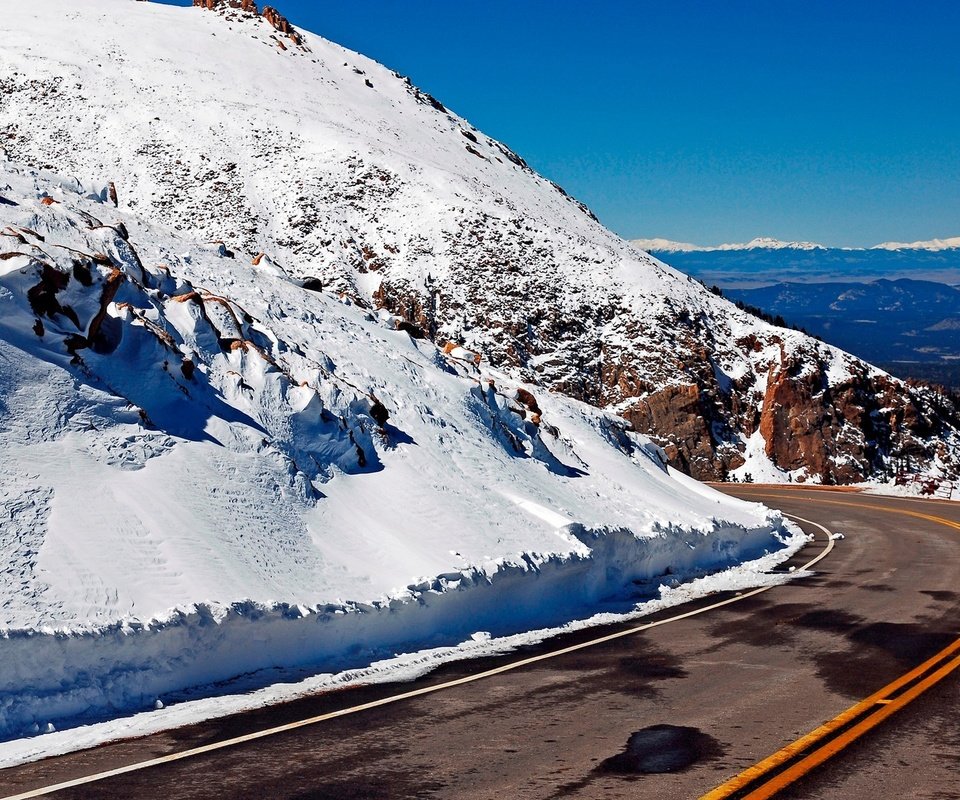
x,y
197,751
768,777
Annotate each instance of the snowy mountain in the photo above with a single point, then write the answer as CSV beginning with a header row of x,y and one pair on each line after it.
x,y
758,243
934,245
665,246
291,354
768,243
342,172
198,453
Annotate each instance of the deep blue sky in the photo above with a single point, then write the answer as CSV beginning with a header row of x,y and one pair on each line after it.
x,y
700,121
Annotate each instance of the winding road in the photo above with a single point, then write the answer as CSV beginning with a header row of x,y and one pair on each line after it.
x,y
841,685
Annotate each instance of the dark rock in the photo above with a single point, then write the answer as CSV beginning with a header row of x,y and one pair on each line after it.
x,y
525,397
379,412
82,274
43,296
411,329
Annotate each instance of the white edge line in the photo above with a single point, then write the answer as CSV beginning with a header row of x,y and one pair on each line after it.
x,y
290,726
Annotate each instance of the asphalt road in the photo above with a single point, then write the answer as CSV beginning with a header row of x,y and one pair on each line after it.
x,y
671,712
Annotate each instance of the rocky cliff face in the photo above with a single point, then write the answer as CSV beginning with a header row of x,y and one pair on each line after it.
x,y
346,174
863,426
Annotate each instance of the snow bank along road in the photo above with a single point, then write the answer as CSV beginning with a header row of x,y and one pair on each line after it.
x,y
693,706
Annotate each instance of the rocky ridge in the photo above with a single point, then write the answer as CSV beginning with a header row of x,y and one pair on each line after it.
x,y
269,13
345,173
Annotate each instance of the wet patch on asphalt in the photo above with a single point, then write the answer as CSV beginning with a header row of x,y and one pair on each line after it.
x,y
635,674
774,632
941,596
858,657
387,786
654,750
885,650
354,764
837,583
910,644
661,748
220,728
828,619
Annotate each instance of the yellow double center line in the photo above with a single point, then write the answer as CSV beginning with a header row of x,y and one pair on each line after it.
x,y
797,759
792,762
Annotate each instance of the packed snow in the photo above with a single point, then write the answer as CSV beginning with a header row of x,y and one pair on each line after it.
x,y
208,471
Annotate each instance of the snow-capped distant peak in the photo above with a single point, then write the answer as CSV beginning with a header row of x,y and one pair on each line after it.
x,y
657,245
665,246
950,243
769,243
758,243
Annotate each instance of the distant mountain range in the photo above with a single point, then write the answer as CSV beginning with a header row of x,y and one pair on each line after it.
x,y
769,243
894,304
951,243
759,243
765,261
882,321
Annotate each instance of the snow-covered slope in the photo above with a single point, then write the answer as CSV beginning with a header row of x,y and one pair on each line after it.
x,y
223,127
199,455
340,170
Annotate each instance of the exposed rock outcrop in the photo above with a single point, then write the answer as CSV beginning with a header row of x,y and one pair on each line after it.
x,y
676,416
279,22
244,5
